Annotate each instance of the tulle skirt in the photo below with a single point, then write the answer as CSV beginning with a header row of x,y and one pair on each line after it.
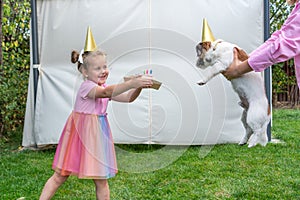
x,y
86,148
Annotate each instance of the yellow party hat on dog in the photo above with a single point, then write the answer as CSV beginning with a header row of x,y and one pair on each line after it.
x,y
90,44
207,35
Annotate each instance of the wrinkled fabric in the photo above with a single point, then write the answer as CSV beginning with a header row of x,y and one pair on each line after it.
x,y
283,45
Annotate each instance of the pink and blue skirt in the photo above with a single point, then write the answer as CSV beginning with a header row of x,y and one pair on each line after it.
x,y
86,148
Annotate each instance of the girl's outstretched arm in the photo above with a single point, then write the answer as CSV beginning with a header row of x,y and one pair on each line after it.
x,y
129,96
117,89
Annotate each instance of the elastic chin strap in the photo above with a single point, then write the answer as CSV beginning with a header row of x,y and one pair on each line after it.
x,y
216,45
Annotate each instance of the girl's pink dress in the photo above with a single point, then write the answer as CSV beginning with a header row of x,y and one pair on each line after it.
x,y
86,147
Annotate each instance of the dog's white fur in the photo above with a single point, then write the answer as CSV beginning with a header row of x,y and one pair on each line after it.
x,y
249,87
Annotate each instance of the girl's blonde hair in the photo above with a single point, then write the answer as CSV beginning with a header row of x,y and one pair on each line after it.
x,y
75,58
291,2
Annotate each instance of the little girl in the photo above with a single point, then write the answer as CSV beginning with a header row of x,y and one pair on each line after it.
x,y
86,147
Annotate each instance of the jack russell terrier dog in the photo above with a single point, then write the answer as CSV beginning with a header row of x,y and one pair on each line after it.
x,y
215,57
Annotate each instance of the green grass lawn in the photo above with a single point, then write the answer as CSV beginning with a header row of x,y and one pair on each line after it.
x,y
225,171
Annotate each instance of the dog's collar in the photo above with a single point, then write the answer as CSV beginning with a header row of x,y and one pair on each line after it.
x,y
217,44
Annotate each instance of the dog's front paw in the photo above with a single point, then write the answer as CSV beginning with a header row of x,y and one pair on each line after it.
x,y
201,82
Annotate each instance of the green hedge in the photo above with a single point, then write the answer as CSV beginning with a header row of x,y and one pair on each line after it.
x,y
15,66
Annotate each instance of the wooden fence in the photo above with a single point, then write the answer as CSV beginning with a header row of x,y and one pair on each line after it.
x,y
290,97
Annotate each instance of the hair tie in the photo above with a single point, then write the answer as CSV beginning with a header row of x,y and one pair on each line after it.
x,y
80,58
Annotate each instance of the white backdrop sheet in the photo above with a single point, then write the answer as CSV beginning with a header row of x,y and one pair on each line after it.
x,y
142,34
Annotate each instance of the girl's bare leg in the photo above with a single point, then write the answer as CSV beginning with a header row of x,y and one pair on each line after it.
x,y
52,185
102,189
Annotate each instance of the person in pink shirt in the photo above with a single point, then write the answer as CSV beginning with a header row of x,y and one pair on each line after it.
x,y
283,45
86,148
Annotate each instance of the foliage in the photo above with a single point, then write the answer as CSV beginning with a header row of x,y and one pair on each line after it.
x,y
280,78
228,171
279,11
14,71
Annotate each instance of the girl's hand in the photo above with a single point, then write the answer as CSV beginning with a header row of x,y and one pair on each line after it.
x,y
141,81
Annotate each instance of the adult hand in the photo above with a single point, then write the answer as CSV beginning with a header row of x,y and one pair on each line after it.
x,y
233,70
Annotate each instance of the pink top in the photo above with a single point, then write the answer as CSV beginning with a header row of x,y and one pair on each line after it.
x,y
83,104
281,46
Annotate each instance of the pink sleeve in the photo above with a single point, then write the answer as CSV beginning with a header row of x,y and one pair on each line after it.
x,y
86,87
284,44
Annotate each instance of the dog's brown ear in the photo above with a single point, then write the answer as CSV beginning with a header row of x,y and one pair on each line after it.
x,y
206,45
242,55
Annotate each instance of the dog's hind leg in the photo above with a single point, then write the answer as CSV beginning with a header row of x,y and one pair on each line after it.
x,y
258,121
249,131
259,136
